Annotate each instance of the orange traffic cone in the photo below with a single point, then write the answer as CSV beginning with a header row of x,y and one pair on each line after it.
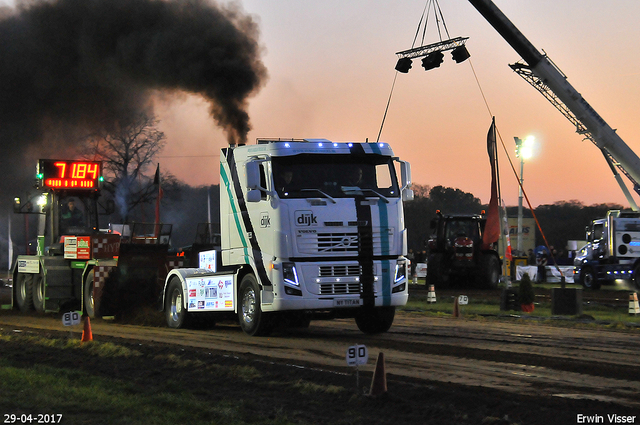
x,y
86,333
379,382
456,308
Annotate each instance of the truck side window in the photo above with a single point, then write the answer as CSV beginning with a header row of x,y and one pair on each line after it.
x,y
263,182
597,232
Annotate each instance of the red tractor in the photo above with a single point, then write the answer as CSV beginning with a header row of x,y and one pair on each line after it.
x,y
457,254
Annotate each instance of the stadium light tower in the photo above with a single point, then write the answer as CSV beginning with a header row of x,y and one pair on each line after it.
x,y
524,150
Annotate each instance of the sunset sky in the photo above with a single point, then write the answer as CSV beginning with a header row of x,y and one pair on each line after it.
x,y
331,68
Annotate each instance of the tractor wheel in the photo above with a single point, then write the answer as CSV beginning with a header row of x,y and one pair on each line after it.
x,y
38,292
588,279
23,292
252,320
489,271
375,320
175,308
436,272
89,304
636,276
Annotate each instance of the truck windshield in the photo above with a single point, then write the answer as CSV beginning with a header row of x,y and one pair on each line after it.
x,y
338,176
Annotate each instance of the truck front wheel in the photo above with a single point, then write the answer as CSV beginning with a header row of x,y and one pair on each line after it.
x,y
252,320
588,279
175,311
23,292
375,320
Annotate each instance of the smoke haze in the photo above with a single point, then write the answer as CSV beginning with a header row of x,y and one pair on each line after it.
x,y
69,67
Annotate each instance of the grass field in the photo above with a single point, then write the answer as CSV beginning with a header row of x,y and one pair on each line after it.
x,y
485,304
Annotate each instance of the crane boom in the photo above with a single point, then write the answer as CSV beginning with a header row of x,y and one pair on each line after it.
x,y
542,73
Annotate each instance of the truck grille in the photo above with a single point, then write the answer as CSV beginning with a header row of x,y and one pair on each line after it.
x,y
337,242
339,271
343,242
340,288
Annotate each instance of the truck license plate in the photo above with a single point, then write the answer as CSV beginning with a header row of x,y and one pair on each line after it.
x,y
348,302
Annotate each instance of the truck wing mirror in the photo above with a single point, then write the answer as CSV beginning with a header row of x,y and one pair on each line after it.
x,y
405,173
254,195
407,195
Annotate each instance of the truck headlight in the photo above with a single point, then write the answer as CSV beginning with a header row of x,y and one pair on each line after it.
x,y
289,274
401,272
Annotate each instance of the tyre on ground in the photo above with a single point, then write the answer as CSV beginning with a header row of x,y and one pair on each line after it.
x,y
436,272
253,320
489,271
37,283
87,295
375,320
175,308
636,276
588,279
23,292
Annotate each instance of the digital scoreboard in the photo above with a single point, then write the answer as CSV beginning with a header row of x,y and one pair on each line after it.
x,y
64,174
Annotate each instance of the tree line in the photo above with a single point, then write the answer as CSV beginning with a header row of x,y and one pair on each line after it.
x,y
561,221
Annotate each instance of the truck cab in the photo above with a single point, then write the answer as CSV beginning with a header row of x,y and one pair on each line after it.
x,y
612,251
309,228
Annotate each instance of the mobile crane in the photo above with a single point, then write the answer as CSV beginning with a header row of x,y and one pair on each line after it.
x,y
611,252
539,71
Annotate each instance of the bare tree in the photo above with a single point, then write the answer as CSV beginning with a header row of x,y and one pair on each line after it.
x,y
127,152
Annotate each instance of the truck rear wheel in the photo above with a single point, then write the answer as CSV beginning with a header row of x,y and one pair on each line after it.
x,y
87,296
23,292
37,282
252,320
588,279
375,320
175,310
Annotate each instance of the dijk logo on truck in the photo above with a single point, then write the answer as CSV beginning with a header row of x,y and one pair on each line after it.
x,y
306,218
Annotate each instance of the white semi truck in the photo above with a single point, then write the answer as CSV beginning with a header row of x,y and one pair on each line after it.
x,y
309,228
612,251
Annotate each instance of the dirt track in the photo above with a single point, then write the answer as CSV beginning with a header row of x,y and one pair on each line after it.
x,y
520,357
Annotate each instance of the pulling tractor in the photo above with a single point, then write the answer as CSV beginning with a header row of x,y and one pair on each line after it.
x,y
78,266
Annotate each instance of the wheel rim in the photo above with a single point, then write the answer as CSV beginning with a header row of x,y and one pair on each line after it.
x,y
176,305
494,275
91,296
22,289
588,280
248,306
39,290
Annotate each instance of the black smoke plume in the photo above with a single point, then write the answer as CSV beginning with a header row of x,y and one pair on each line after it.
x,y
68,67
